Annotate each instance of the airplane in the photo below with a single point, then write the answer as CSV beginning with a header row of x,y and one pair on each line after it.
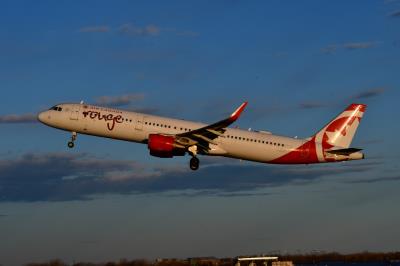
x,y
168,137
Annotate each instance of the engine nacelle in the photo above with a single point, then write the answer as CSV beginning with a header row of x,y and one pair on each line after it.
x,y
163,146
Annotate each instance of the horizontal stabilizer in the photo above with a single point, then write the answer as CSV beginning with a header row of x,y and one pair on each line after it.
x,y
347,151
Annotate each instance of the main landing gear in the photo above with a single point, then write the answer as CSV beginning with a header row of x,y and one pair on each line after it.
x,y
194,161
71,143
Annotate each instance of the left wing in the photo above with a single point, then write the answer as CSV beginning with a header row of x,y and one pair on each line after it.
x,y
204,136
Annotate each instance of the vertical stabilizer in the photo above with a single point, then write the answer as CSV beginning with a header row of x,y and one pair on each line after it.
x,y
340,131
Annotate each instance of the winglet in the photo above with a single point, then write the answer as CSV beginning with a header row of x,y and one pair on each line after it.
x,y
235,115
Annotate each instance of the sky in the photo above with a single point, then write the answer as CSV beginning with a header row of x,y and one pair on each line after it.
x,y
298,63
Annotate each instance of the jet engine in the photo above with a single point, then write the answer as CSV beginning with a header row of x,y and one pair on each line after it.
x,y
163,146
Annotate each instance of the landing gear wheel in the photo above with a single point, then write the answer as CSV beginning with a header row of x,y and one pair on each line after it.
x,y
194,163
71,144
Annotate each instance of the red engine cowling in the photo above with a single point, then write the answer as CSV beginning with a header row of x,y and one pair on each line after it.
x,y
163,146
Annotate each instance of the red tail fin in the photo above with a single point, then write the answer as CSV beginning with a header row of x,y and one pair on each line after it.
x,y
340,131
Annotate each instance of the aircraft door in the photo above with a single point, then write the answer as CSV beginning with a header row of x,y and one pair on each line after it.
x,y
75,112
139,122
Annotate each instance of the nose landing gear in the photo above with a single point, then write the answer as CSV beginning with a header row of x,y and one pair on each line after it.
x,y
71,143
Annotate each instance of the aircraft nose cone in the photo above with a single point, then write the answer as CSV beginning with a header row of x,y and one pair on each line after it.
x,y
41,117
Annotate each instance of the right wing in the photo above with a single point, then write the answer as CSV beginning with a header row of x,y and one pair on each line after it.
x,y
204,136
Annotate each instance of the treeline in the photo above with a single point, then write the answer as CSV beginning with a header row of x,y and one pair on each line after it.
x,y
172,262
337,257
313,258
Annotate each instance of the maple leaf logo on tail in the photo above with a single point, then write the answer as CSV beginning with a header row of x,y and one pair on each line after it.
x,y
341,130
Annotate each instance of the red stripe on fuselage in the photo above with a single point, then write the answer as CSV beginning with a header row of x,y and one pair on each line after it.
x,y
304,154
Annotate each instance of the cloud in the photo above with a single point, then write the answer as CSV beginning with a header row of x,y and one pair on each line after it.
x,y
52,176
130,29
390,1
133,30
333,48
95,29
330,49
394,14
121,100
359,45
18,118
375,180
362,95
312,105
370,93
65,176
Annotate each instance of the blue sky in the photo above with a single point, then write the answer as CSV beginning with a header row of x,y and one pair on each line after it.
x,y
298,63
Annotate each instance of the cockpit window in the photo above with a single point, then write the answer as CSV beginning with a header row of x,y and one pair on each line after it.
x,y
56,108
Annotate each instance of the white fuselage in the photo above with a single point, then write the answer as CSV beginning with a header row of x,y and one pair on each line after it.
x,y
136,127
